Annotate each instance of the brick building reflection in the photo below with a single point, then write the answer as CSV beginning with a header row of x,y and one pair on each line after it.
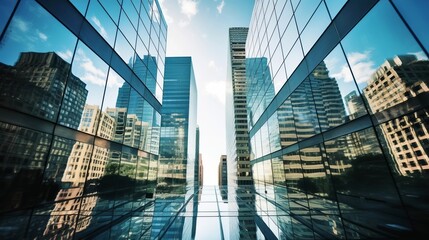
x,y
38,84
86,162
399,86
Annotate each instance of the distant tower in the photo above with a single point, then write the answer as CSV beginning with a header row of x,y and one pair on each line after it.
x,y
223,172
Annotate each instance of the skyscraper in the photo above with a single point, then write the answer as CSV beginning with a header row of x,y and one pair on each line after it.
x,y
177,180
346,120
178,124
223,172
72,162
237,139
236,121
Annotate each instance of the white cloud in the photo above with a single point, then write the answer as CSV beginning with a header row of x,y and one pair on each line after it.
x,y
42,36
220,6
362,66
164,10
183,23
216,89
67,55
420,55
91,73
100,27
114,79
188,7
20,24
212,64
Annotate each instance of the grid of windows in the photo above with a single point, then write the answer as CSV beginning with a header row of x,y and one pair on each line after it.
x,y
338,118
80,92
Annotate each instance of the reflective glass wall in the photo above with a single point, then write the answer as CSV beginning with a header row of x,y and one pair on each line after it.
x,y
338,117
80,92
177,178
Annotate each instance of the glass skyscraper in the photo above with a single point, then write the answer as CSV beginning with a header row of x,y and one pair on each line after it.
x,y
338,119
177,181
80,115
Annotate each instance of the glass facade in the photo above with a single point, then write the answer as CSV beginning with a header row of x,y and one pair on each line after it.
x,y
336,94
327,123
178,158
223,171
178,143
80,103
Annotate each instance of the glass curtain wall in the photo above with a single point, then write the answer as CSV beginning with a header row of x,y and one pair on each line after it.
x,y
337,93
80,100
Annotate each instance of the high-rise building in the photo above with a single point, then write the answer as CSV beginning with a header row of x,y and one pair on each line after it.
x,y
178,124
237,138
236,121
80,103
337,120
402,82
177,180
223,171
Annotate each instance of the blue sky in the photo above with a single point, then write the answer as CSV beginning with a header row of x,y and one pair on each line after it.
x,y
200,29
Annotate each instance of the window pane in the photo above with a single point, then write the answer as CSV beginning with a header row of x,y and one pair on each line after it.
x,y
407,142
315,27
85,87
293,58
304,11
101,21
286,124
416,16
351,157
35,57
80,5
386,70
334,6
335,93
23,153
112,8
6,8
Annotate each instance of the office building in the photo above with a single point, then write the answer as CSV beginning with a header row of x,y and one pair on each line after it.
x,y
236,121
177,180
178,143
237,139
339,150
223,171
80,112
200,170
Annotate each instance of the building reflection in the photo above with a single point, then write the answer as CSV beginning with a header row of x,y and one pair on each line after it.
x,y
320,176
400,85
85,163
76,167
37,84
